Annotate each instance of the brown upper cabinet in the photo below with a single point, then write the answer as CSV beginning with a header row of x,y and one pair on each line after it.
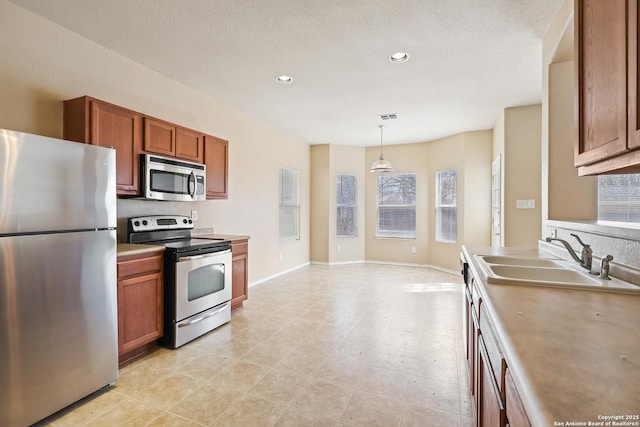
x,y
606,98
216,157
167,139
96,122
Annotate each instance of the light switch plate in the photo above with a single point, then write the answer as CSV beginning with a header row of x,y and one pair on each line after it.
x,y
525,204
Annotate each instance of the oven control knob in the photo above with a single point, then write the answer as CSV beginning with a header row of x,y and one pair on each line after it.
x,y
144,222
136,223
184,220
190,221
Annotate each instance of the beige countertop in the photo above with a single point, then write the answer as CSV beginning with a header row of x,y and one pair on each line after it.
x,y
574,354
125,249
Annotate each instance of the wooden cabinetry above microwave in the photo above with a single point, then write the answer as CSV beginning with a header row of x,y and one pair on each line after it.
x,y
91,121
606,98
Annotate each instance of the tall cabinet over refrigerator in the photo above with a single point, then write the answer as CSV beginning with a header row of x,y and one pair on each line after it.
x,y
58,309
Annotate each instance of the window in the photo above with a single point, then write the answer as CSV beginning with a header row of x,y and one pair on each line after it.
x,y
446,209
619,198
289,204
396,205
347,203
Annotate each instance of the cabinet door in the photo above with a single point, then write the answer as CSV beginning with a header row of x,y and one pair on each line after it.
x,y
634,89
491,411
515,410
139,311
240,275
601,68
189,145
159,137
119,128
216,157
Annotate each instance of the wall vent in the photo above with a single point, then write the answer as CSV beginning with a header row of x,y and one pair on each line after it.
x,y
389,116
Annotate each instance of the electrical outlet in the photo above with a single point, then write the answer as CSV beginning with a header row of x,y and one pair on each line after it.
x,y
194,215
554,233
338,248
413,249
280,256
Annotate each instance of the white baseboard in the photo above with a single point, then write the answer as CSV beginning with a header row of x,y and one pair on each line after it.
x,y
278,274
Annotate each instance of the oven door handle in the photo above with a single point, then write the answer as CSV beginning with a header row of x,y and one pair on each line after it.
x,y
209,255
201,318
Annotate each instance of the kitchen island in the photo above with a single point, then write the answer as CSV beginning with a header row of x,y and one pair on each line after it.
x,y
573,356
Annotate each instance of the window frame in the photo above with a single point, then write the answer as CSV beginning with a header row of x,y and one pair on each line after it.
x,y
289,206
353,205
439,236
408,233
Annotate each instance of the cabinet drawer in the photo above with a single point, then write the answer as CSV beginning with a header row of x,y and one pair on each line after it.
x,y
496,360
515,410
129,267
239,247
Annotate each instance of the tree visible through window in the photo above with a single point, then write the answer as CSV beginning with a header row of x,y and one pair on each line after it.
x,y
347,203
619,198
396,205
289,204
446,206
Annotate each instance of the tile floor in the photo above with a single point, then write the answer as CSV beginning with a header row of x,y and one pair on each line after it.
x,y
350,345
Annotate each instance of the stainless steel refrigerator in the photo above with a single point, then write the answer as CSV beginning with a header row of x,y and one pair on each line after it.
x,y
58,296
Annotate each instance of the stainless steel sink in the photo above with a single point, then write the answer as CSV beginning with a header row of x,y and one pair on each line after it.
x,y
546,272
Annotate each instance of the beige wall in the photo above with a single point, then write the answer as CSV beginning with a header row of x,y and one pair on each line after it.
x,y
320,206
517,139
42,64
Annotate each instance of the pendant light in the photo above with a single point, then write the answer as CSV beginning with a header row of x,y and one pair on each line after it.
x,y
381,165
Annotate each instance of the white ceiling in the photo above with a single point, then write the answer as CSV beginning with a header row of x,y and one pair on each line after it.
x,y
469,58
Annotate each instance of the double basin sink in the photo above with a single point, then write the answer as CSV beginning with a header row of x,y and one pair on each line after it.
x,y
546,272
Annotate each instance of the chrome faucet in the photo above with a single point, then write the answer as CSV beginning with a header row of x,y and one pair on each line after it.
x,y
604,267
586,255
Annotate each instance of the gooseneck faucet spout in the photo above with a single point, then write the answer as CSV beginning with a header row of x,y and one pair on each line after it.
x,y
585,257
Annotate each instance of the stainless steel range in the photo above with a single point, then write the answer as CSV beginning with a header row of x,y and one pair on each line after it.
x,y
197,276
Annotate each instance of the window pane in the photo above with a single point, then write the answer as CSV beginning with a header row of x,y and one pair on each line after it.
x,y
289,204
347,206
396,206
446,210
619,198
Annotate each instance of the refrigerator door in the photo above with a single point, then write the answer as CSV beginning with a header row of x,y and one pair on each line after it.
x,y
49,184
58,321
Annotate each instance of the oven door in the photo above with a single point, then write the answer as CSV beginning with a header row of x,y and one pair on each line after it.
x,y
202,282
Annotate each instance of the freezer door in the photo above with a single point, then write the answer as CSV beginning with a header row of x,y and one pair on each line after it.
x,y
58,321
50,184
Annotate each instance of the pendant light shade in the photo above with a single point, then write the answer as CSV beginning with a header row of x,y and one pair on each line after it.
x,y
381,165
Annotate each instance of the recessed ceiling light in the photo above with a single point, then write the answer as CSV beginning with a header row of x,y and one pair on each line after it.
x,y
399,57
285,80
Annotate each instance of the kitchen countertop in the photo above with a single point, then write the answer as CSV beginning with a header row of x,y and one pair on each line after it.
x,y
574,354
125,249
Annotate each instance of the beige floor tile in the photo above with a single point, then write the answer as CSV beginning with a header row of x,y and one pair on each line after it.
x,y
434,394
296,418
130,413
240,376
206,403
279,385
420,416
322,398
368,410
251,411
345,343
168,390
170,420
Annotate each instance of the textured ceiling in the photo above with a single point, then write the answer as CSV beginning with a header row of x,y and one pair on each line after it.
x,y
469,58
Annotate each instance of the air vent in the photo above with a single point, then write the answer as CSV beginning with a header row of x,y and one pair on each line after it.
x,y
390,116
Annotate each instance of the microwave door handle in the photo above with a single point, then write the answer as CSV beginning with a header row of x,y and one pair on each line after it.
x,y
195,185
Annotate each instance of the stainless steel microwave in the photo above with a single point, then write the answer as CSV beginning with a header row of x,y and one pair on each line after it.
x,y
165,178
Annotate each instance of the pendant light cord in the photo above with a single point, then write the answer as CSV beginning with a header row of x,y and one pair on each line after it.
x,y
381,126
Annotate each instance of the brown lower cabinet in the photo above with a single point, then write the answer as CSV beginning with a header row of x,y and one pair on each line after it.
x,y
140,304
240,275
496,402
